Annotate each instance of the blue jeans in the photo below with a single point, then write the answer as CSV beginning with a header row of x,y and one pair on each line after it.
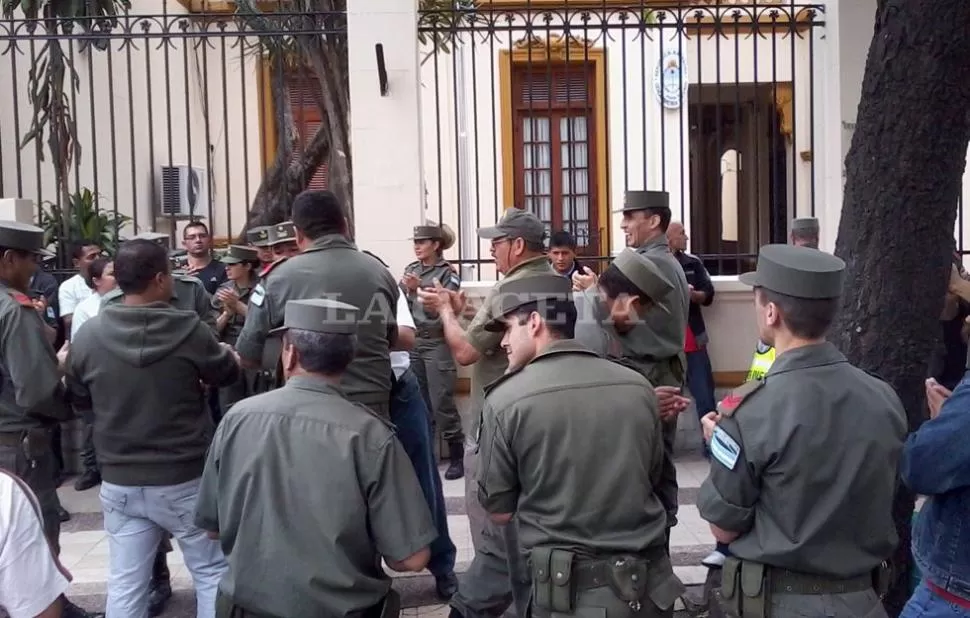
x,y
700,381
410,415
926,604
135,519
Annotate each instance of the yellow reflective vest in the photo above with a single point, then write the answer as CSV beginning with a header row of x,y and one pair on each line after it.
x,y
764,357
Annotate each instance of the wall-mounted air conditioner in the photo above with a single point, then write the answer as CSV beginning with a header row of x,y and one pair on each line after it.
x,y
184,191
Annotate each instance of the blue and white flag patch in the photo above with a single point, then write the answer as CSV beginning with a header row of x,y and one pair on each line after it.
x,y
257,295
725,449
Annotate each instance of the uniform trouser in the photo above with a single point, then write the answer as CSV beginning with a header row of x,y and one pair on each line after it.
x,y
40,474
410,417
135,519
498,576
89,459
602,602
663,375
667,490
433,364
237,391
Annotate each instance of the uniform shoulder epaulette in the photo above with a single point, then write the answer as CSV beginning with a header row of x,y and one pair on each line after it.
x,y
729,405
269,267
21,299
412,265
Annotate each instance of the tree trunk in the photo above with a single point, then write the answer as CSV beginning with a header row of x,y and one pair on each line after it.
x,y
903,179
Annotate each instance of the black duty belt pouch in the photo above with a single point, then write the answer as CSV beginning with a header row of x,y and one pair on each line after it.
x,y
663,586
754,590
37,444
627,576
882,579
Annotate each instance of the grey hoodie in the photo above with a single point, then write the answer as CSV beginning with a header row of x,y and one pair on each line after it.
x,y
140,370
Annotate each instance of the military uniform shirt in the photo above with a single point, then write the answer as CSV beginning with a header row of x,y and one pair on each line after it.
x,y
545,429
332,267
31,382
188,294
235,324
307,491
492,361
804,466
661,335
449,279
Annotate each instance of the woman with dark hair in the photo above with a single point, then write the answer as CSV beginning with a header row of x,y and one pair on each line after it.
x,y
231,300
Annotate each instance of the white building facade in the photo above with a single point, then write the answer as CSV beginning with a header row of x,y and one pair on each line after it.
x,y
742,111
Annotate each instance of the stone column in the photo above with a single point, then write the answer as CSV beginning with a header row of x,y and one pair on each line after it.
x,y
385,131
843,46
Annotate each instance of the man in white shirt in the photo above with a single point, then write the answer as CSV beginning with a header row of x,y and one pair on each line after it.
x,y
32,581
410,416
75,289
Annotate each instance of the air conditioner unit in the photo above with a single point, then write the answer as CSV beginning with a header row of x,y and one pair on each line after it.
x,y
184,191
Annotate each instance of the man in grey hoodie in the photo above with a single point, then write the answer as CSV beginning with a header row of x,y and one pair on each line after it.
x,y
141,366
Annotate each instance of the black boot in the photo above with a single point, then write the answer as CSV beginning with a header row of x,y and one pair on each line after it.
x,y
86,481
456,453
70,610
446,586
161,590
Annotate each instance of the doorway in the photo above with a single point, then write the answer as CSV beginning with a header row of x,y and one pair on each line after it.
x,y
739,184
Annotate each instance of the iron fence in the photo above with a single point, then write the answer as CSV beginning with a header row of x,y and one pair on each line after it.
x,y
562,109
166,117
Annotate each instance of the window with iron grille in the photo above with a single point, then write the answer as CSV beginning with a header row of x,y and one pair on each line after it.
x,y
555,148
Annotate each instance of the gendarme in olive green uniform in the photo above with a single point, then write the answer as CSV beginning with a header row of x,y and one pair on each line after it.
x,y
657,344
332,267
431,358
487,588
804,468
571,443
31,395
188,293
307,492
244,387
593,328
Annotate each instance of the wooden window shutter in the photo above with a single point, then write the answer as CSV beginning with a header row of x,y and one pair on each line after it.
x,y
308,120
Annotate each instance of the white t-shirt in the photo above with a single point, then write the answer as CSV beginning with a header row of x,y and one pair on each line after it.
x,y
400,361
86,309
30,579
71,293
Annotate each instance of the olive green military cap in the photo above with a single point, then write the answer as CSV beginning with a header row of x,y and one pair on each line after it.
x,y
320,315
643,273
24,237
643,200
800,272
431,231
515,223
520,292
805,224
281,233
258,236
238,254
158,238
